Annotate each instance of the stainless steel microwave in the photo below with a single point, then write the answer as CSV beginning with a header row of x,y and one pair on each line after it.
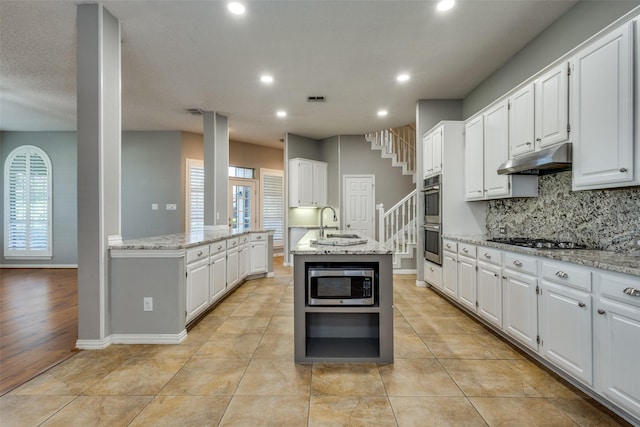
x,y
341,286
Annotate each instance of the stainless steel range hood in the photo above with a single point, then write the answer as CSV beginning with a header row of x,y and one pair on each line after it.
x,y
550,160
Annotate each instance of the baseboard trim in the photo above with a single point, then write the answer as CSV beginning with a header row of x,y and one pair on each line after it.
x,y
149,338
38,265
404,271
94,344
422,284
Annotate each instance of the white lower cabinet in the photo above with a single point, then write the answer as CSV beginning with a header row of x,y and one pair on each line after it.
x,y
243,260
197,283
450,274
617,347
467,276
433,274
520,300
490,292
217,272
233,263
258,254
565,329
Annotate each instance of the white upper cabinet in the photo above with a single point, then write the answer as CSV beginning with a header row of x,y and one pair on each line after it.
x,y
521,132
473,159
307,183
552,107
496,150
432,153
602,113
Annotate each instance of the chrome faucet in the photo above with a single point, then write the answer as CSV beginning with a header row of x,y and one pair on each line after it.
x,y
335,218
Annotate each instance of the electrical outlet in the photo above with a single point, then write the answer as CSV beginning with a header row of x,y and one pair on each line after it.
x,y
635,242
171,206
148,303
503,229
154,206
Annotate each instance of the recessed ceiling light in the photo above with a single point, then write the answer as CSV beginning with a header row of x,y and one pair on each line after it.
x,y
236,8
382,113
403,77
445,5
266,78
281,113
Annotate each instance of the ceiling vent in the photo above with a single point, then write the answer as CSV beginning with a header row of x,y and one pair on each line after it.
x,y
315,99
194,111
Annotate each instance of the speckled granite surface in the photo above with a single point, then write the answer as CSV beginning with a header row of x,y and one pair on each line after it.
x,y
599,219
306,247
179,240
621,262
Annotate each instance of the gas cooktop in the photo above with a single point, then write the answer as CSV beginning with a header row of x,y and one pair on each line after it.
x,y
536,243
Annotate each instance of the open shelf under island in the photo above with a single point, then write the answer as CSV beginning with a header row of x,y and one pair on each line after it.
x,y
339,329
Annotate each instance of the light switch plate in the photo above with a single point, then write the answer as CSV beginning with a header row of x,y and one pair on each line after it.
x,y
154,206
171,206
148,303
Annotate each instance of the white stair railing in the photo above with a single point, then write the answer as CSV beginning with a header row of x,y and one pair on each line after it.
x,y
397,227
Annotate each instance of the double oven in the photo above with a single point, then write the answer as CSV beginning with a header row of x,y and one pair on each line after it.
x,y
432,223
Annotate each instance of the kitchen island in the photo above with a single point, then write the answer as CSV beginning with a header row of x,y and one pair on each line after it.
x,y
160,286
343,332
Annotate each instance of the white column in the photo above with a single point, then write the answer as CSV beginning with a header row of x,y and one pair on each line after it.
x,y
99,148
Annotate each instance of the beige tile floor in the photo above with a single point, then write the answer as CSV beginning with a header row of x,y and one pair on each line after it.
x,y
236,368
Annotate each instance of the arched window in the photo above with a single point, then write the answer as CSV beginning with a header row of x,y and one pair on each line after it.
x,y
27,203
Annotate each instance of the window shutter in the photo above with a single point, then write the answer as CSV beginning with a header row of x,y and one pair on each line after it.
x,y
273,205
28,203
196,197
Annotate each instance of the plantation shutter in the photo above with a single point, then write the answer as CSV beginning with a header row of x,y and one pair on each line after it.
x,y
273,205
196,197
28,203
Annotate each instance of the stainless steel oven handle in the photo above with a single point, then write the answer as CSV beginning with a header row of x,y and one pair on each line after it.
x,y
432,227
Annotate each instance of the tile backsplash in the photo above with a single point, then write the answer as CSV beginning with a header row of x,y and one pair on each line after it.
x,y
599,219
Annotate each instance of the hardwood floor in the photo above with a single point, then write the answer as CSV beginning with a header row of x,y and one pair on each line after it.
x,y
38,322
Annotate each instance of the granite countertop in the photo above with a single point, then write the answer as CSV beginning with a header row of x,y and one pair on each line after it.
x,y
621,262
306,247
180,240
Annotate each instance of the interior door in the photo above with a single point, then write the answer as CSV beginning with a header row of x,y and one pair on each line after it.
x,y
359,204
243,202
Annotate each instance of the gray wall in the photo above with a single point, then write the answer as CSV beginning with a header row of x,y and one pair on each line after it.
x,y
151,172
300,146
61,149
330,153
581,22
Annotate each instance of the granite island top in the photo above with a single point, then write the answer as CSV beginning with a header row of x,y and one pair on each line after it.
x,y
371,247
180,240
621,262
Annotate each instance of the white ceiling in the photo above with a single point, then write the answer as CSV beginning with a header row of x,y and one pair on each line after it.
x,y
194,54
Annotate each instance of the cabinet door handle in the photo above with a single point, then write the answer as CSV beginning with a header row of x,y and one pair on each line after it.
x,y
486,255
200,253
601,311
538,139
465,250
219,247
431,269
562,274
517,263
258,237
448,246
581,304
495,274
528,143
632,291
623,169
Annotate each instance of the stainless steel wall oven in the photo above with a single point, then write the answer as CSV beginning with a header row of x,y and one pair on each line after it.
x,y
432,226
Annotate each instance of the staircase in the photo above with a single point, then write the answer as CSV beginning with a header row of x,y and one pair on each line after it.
x,y
397,144
397,228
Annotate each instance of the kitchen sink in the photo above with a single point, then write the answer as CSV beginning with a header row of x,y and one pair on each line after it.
x,y
343,236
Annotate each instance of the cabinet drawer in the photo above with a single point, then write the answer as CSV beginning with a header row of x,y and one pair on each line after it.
x,y
433,274
567,274
450,245
244,239
217,247
613,286
257,237
521,263
489,255
233,243
467,249
198,253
